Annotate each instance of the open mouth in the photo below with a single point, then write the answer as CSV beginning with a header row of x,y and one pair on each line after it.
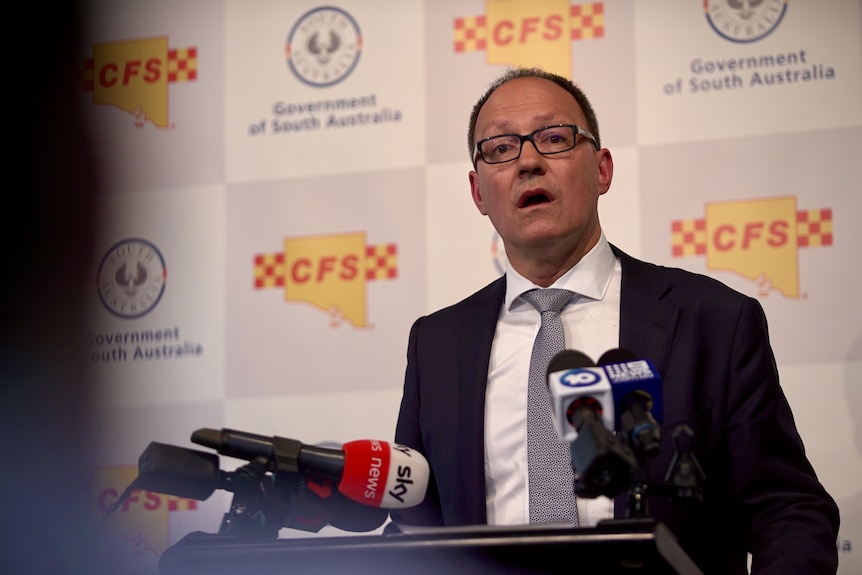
x,y
533,199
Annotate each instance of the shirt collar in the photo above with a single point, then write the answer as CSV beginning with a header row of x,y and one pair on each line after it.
x,y
589,278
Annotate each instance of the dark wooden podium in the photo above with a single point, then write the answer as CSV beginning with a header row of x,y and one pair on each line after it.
x,y
624,547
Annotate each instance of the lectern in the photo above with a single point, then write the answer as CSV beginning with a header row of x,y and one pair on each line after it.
x,y
616,547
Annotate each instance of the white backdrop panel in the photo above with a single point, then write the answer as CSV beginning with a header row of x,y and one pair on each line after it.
x,y
276,342
188,150
694,84
186,225
271,132
830,392
818,169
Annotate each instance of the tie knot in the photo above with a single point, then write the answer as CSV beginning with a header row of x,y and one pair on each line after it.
x,y
551,299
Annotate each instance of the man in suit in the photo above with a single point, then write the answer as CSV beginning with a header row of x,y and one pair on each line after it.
x,y
539,170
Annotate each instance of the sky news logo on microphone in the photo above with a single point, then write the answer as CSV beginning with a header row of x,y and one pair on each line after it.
x,y
330,272
134,76
382,474
529,33
758,239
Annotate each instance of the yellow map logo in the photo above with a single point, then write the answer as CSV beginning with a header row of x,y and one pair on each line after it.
x,y
143,517
329,272
758,239
134,76
534,33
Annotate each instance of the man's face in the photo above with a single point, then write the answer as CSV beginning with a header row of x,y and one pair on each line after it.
x,y
540,205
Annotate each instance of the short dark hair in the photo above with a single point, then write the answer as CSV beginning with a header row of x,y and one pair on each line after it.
x,y
515,73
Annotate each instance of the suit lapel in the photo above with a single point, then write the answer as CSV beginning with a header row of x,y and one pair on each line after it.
x,y
647,318
647,321
477,323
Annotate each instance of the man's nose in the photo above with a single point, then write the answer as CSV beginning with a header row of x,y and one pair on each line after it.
x,y
530,160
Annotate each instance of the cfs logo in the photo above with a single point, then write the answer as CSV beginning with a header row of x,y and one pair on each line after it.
x,y
758,239
330,272
134,76
744,21
142,516
579,378
530,33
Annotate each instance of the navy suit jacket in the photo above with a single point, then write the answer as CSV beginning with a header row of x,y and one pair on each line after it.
x,y
711,346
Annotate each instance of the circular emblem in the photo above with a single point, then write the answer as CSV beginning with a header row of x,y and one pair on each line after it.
x,y
324,46
131,278
744,20
579,378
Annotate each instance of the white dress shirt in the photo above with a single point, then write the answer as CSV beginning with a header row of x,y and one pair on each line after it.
x,y
591,322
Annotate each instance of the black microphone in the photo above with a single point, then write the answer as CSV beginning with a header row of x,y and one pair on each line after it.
x,y
637,391
293,500
175,471
583,406
282,454
370,472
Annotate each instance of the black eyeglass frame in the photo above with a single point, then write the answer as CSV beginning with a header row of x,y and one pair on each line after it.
x,y
578,131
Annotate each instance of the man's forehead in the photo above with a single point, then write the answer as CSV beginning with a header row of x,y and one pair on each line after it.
x,y
503,123
536,101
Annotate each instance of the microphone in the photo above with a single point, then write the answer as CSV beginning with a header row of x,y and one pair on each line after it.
x,y
583,406
579,390
308,503
175,471
297,501
637,393
371,472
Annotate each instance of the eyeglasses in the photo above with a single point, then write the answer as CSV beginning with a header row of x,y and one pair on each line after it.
x,y
548,140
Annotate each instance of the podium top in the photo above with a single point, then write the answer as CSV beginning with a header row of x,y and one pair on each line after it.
x,y
614,547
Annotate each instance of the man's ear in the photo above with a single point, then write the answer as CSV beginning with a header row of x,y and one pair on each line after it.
x,y
477,193
606,169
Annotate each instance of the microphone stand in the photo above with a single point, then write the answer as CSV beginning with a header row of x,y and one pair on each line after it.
x,y
249,515
682,481
263,504
610,467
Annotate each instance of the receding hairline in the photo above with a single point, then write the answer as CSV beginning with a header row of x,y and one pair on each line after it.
x,y
520,73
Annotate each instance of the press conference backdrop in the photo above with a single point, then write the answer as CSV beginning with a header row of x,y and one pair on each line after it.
x,y
286,192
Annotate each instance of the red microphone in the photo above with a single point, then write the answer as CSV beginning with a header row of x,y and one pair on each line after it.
x,y
371,472
381,474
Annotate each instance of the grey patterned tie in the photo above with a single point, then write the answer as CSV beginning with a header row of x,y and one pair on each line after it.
x,y
552,493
